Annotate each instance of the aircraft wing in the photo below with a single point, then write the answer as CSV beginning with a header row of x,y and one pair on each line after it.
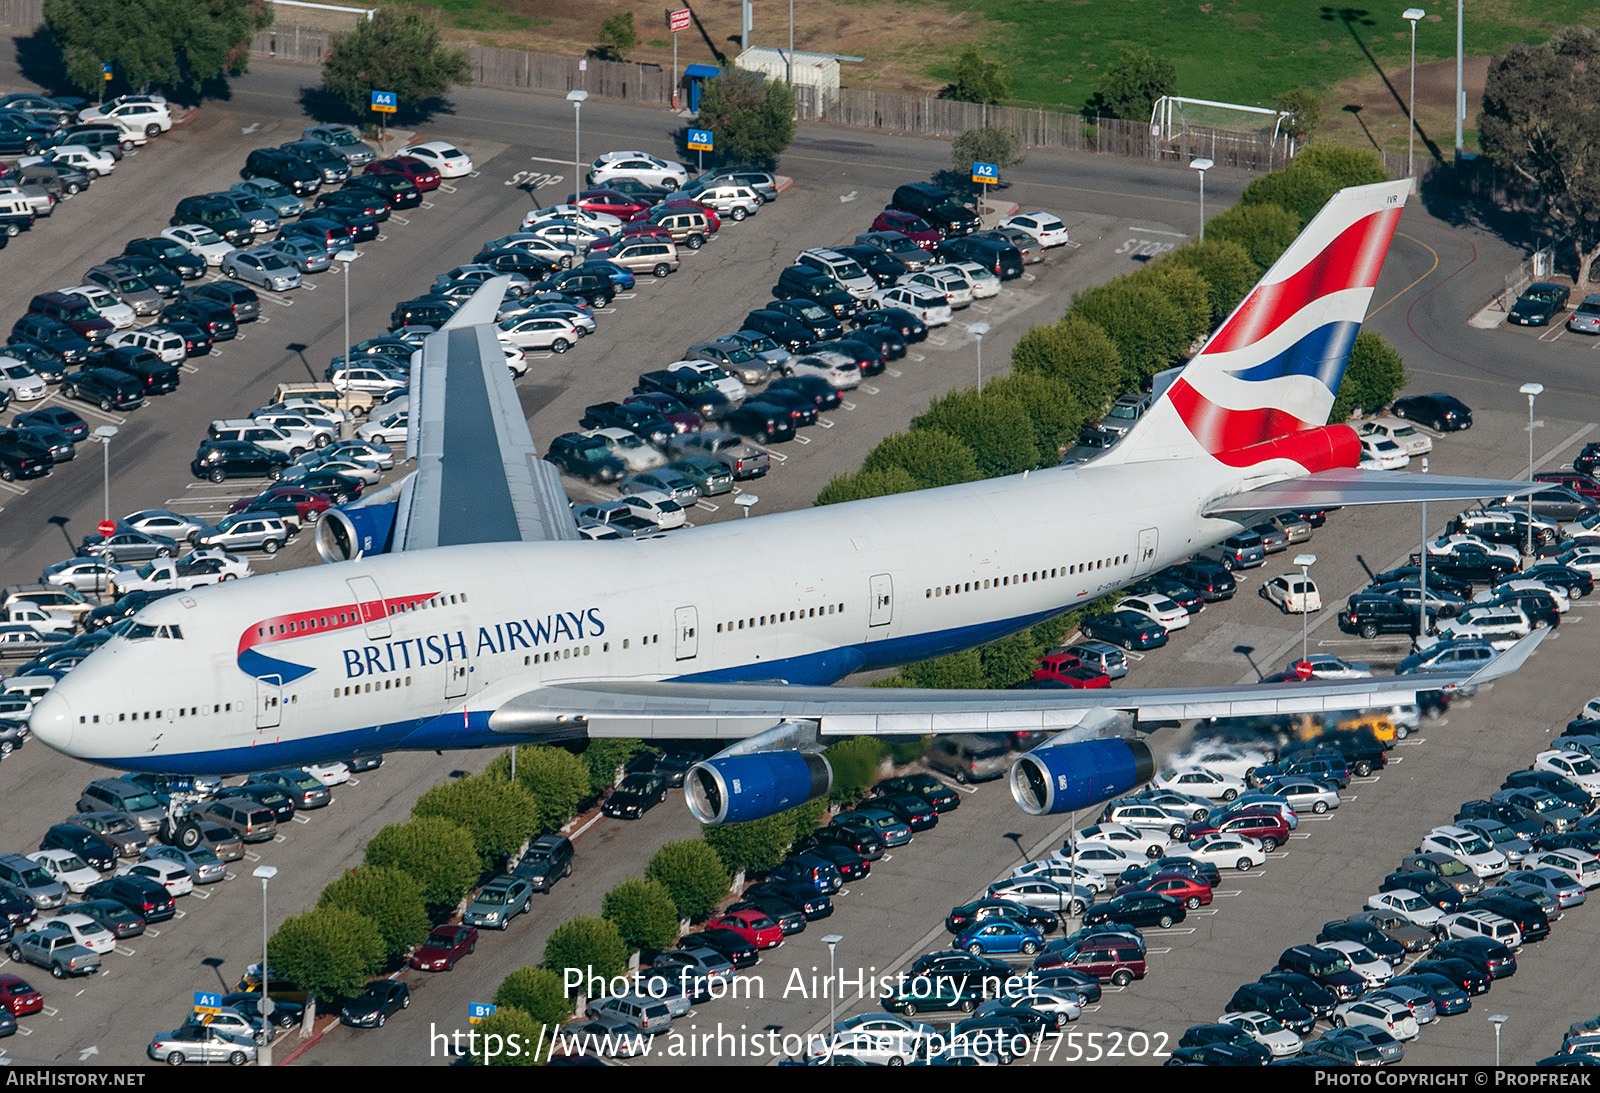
x,y
681,710
478,477
1356,486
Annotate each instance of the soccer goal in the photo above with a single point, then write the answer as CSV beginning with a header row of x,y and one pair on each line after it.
x,y
1175,115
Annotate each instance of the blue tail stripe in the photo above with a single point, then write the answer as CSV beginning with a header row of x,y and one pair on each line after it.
x,y
1323,353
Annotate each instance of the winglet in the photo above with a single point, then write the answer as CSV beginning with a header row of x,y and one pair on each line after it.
x,y
1508,661
481,307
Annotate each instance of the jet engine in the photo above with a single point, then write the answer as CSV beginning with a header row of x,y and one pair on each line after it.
x,y
759,777
354,531
1067,777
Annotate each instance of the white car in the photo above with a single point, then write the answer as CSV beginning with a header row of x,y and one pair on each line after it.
x,y
933,308
603,223
956,289
1226,850
1586,558
1107,860
107,306
1481,924
1563,602
46,622
1500,624
1329,666
1381,454
1157,609
1063,1005
1047,228
329,774
1574,766
657,507
1189,807
728,386
66,868
550,332
1060,872
20,381
1402,433
1363,961
1408,905
1043,894
579,236
1240,761
1580,866
1264,1030
1200,782
1152,844
134,114
1446,545
163,522
651,170
869,1047
1293,593
90,160
442,156
80,574
365,473
516,360
563,254
1392,1017
366,380
1144,814
177,880
201,241
842,372
321,413
87,932
629,447
985,283
1304,794
164,343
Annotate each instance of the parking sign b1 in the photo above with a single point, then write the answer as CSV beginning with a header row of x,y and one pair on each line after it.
x,y
700,140
987,173
477,1011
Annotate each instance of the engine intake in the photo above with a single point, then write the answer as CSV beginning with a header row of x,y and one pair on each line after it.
x,y
733,789
355,531
1068,777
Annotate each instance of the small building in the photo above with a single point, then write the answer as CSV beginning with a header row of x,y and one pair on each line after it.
x,y
818,70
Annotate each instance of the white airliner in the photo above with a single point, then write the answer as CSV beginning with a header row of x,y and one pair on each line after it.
x,y
470,614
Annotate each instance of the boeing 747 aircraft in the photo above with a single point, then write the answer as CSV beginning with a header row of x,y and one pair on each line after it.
x,y
465,611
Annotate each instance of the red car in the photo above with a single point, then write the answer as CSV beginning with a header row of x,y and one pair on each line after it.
x,y
682,419
445,945
911,225
621,206
754,926
309,505
18,998
1269,827
1067,670
1193,893
413,170
644,229
1584,485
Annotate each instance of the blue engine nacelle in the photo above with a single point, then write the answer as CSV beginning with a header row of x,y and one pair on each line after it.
x,y
355,531
731,789
1068,777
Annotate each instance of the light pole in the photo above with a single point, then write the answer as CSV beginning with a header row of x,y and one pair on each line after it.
x,y
1461,93
1202,165
1422,568
978,330
264,1056
832,942
788,62
1533,391
345,257
1305,562
747,501
103,434
576,98
1497,1019
1411,15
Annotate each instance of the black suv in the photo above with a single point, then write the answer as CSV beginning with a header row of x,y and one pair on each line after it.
x,y
998,257
690,388
938,207
105,387
219,214
800,282
1327,968
214,318
52,336
780,328
330,164
882,267
187,266
20,458
220,460
284,168
585,457
1370,614
549,858
1274,1001
590,285
399,192
241,300
363,199
423,311
1214,582
155,375
642,420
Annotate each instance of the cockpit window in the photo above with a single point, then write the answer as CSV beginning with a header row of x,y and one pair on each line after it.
x,y
139,631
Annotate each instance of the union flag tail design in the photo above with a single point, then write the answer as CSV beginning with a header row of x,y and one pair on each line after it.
x,y
1261,389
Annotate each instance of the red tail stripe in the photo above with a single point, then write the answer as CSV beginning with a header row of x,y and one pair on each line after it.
x,y
1219,429
1351,261
1321,449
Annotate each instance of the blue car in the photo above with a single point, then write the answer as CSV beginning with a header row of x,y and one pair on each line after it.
x,y
992,936
621,278
1128,629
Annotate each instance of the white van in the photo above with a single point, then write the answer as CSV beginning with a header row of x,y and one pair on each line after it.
x,y
847,271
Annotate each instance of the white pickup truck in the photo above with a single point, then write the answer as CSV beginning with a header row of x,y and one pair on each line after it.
x,y
213,567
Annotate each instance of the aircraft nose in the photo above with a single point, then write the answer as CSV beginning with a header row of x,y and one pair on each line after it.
x,y
51,721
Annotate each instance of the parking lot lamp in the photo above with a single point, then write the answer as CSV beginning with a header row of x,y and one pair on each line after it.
x,y
264,1054
1497,1019
1533,391
1305,562
1411,15
1202,165
832,942
978,330
576,98
1422,568
345,257
103,434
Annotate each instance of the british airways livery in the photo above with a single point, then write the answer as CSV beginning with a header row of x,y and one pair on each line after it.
x,y
463,610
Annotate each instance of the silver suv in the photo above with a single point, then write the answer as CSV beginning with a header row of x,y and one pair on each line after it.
x,y
116,795
31,879
245,531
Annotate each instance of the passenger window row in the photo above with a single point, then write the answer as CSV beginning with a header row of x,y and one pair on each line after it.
x,y
781,616
368,688
226,707
1023,578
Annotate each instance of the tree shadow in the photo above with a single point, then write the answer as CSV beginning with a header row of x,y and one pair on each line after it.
x,y
1359,17
41,64
324,106
1464,196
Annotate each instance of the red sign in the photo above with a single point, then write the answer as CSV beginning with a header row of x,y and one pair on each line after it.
x,y
679,20
106,527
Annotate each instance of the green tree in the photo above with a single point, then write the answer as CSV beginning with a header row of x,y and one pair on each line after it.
x,y
1001,147
1132,85
855,767
1227,269
590,945
499,815
1305,113
997,430
1145,326
977,80
555,781
905,749
1264,231
1541,123
1302,189
692,874
507,1037
803,819
436,853
390,899
643,912
753,847
1076,354
175,43
1053,410
1009,660
1375,374
961,671
930,457
331,952
618,36
1188,291
863,484
1346,166
399,50
752,117
537,992
604,758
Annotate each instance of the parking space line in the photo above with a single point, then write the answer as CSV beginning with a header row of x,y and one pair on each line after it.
x,y
1175,930
1162,951
893,373
707,505
179,914
1206,911
447,188
396,218
197,894
869,389
1229,894
1300,835
427,204
847,405
251,855
802,439
124,950
299,819
825,423
20,491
